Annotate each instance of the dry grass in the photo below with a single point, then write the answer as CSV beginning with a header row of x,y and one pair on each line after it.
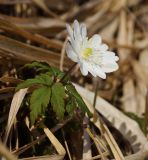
x,y
34,30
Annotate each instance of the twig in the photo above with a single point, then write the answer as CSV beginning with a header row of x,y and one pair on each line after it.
x,y
63,54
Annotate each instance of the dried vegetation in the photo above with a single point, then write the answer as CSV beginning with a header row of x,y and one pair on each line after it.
x,y
34,30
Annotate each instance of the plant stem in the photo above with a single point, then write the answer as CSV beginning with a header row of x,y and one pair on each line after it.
x,y
68,72
94,101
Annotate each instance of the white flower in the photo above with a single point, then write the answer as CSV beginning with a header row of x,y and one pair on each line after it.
x,y
91,54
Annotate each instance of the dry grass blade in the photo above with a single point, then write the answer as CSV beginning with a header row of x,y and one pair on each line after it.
x,y
102,10
52,157
10,79
102,156
122,35
110,140
114,116
108,32
5,153
129,98
122,46
76,10
27,146
35,31
43,6
112,143
42,25
26,52
15,105
107,135
63,54
108,111
60,149
12,28
66,146
138,70
10,2
87,153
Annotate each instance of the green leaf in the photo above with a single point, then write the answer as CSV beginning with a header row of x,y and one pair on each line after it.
x,y
57,99
72,92
38,65
43,79
70,107
56,72
43,66
39,101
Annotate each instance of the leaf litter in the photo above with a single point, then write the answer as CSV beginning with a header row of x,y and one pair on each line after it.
x,y
35,31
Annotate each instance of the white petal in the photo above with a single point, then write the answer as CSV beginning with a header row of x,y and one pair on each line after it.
x,y
110,67
90,68
76,28
83,31
116,58
103,47
100,72
109,57
71,53
70,31
95,70
95,41
76,46
83,69
75,43
112,54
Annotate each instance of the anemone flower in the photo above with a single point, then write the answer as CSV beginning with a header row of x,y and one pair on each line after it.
x,y
91,54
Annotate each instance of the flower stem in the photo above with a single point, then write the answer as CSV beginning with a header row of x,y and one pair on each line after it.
x,y
68,72
94,101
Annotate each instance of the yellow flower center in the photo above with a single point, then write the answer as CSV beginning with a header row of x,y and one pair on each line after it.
x,y
87,52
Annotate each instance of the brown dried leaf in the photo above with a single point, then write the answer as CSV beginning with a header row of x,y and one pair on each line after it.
x,y
22,51
15,105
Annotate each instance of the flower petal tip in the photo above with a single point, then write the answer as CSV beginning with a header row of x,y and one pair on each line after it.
x,y
116,58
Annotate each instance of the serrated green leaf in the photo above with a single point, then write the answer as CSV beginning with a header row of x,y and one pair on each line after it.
x,y
43,79
43,66
70,107
73,93
57,99
56,72
39,101
40,65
